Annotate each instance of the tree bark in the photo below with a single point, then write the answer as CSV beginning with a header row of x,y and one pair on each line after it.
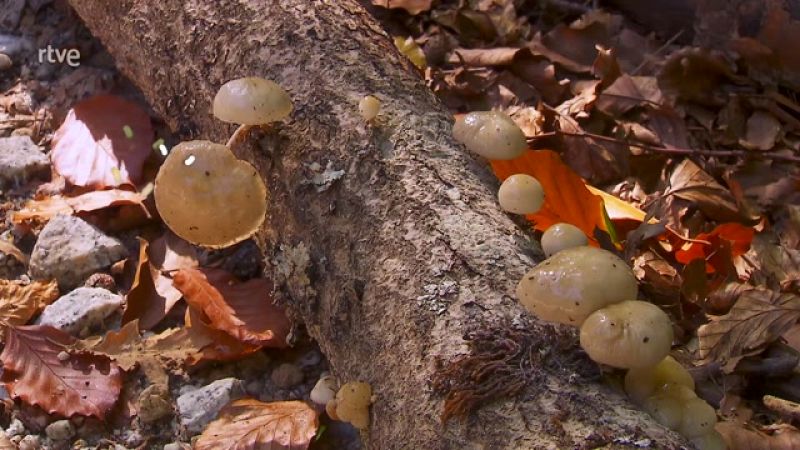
x,y
392,263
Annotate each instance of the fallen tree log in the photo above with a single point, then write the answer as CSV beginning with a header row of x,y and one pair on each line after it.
x,y
385,240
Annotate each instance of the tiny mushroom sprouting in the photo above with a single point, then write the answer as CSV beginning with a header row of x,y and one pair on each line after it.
x,y
352,403
324,391
209,197
250,101
521,194
574,283
369,107
491,134
627,334
562,236
643,382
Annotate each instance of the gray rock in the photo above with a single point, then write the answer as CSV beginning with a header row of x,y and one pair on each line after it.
x,y
82,308
69,250
20,158
15,428
14,46
201,406
60,430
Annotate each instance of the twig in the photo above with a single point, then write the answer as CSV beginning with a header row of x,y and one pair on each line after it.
x,y
676,150
785,408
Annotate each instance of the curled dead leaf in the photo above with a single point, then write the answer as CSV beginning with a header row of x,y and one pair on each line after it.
x,y
47,208
249,424
152,294
20,302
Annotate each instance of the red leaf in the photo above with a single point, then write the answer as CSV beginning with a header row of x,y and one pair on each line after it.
x,y
243,310
91,147
718,248
566,197
39,369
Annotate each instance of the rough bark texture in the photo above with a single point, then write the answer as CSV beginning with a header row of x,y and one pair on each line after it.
x,y
361,259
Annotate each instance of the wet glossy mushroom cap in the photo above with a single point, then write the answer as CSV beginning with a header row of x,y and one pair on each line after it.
x,y
574,283
209,197
627,334
642,382
352,404
562,236
369,107
709,441
698,418
491,134
521,194
251,101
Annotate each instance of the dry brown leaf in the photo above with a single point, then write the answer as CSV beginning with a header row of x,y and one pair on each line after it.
x,y
628,92
689,182
243,310
763,130
46,209
103,142
740,438
482,57
249,424
758,318
152,294
170,253
39,368
12,250
6,443
413,7
695,74
19,302
222,346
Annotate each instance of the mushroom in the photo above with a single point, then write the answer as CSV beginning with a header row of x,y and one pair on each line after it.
x,y
642,382
250,101
209,197
698,418
324,391
409,47
709,441
665,409
562,236
521,194
627,334
574,283
491,134
369,107
352,404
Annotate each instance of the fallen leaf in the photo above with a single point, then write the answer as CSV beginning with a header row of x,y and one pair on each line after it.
x,y
152,294
718,247
629,92
6,443
758,318
413,7
695,74
244,310
482,57
19,302
691,183
737,437
763,130
249,424
46,209
567,199
12,250
169,253
103,142
222,346
39,369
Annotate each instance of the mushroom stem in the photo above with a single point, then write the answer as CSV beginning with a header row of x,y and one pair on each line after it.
x,y
238,136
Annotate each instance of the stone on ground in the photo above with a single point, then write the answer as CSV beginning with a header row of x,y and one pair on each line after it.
x,y
82,308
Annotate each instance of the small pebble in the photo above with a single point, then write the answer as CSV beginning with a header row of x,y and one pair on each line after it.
x,y
286,375
60,430
5,62
30,442
16,427
62,356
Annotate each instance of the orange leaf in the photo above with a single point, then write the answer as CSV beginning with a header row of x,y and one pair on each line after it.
x,y
45,209
220,345
566,197
39,368
243,310
103,142
249,424
718,248
19,302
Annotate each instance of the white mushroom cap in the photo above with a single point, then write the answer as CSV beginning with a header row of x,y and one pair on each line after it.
x,y
573,283
251,101
209,197
643,382
562,236
324,391
627,334
491,134
521,194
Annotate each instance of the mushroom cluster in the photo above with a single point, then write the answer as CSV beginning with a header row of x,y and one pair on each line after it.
x,y
203,192
491,134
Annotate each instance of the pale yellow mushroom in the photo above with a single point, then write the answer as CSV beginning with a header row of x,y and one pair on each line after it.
x,y
369,107
642,382
627,334
698,418
562,236
208,197
521,194
250,101
665,409
490,134
352,404
709,441
574,283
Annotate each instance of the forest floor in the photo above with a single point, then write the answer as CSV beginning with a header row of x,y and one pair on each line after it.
x,y
681,158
